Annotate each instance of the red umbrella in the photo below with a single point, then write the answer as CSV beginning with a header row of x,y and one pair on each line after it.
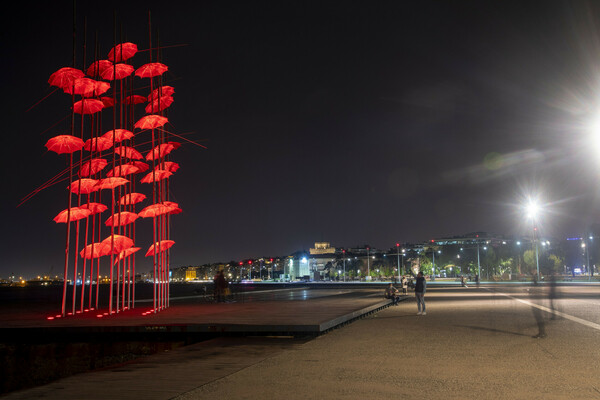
x,y
126,253
64,144
98,67
92,167
170,204
154,210
119,135
142,166
64,77
156,176
132,198
111,183
151,70
97,144
75,214
162,150
88,106
95,250
87,87
160,246
161,91
107,101
168,166
95,208
159,104
135,99
128,152
118,71
84,186
120,243
121,219
176,210
173,207
151,122
123,51
122,170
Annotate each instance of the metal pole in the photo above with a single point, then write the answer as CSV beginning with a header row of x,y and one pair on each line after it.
x,y
537,261
344,256
433,267
478,265
368,264
398,255
587,251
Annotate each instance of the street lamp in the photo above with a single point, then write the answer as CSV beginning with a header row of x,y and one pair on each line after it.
x,y
368,265
398,255
433,265
532,211
344,257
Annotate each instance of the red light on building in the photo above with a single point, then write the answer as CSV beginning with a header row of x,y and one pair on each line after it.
x,y
250,262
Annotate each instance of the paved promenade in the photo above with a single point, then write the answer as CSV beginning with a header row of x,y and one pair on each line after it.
x,y
472,344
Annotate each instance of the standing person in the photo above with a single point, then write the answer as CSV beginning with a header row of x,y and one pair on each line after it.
x,y
404,283
221,285
420,287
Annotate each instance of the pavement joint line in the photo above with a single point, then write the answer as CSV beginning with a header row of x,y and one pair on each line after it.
x,y
581,321
210,295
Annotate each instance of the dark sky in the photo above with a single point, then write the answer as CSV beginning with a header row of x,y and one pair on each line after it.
x,y
348,122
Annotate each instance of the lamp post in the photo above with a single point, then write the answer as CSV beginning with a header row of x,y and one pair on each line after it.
x,y
478,263
398,255
368,265
532,211
403,254
433,265
344,256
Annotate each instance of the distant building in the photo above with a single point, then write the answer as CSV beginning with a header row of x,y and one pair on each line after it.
x,y
322,248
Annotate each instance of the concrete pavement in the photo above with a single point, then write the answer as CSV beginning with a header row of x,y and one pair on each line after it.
x,y
473,344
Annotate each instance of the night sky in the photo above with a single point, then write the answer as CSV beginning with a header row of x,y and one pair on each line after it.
x,y
350,122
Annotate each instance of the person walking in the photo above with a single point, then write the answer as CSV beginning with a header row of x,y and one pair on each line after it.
x,y
420,287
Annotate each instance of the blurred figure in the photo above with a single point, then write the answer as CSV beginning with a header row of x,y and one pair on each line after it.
x,y
534,293
221,286
404,283
420,287
552,293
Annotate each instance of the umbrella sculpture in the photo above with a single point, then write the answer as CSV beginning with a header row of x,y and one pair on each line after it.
x,y
97,144
64,77
159,247
72,214
122,52
92,167
161,91
64,144
132,198
106,86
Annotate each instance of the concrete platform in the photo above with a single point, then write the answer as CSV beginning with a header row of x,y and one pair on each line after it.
x,y
299,311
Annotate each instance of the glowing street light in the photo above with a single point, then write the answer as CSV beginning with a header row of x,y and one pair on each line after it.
x,y
533,209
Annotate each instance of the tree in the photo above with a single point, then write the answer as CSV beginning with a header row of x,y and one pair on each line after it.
x,y
529,261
